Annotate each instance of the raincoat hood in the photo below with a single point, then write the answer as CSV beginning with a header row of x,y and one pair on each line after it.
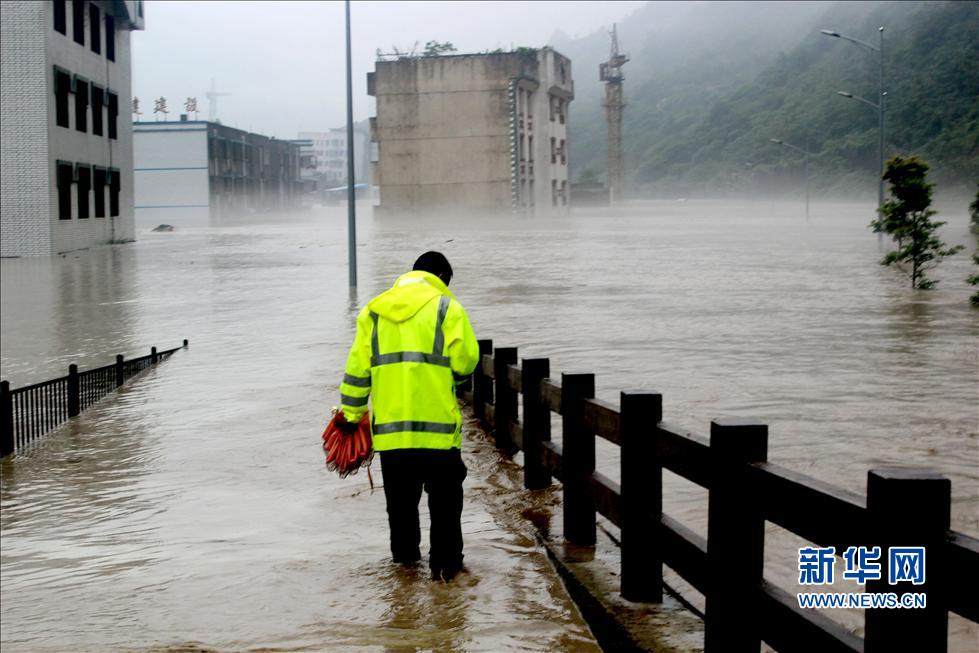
x,y
410,293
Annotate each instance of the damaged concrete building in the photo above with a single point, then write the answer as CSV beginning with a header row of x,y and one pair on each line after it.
x,y
475,133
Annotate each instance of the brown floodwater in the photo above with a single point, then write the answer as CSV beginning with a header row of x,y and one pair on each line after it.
x,y
192,509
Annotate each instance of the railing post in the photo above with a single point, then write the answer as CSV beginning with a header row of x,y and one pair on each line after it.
x,y
536,422
482,388
153,358
578,464
74,392
909,508
735,537
6,419
642,497
120,371
505,406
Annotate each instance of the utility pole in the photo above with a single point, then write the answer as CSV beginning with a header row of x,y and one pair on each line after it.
x,y
351,192
212,101
610,72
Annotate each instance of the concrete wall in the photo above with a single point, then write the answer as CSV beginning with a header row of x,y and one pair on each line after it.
x,y
171,174
25,206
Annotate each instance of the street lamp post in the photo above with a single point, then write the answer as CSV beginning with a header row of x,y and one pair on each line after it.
x,y
807,154
351,192
879,106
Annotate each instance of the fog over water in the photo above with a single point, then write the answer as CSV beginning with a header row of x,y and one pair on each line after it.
x,y
193,506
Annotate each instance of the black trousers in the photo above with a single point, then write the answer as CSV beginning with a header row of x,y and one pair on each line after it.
x,y
406,472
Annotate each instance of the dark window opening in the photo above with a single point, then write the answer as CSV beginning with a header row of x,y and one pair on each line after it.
x,y
81,104
110,38
98,104
95,28
84,184
62,86
139,7
113,114
98,187
114,192
60,17
78,21
65,176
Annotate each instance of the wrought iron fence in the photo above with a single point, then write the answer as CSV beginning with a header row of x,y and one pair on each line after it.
x,y
28,413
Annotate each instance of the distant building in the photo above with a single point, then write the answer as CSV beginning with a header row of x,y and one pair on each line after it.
x,y
66,179
307,165
199,169
476,132
329,149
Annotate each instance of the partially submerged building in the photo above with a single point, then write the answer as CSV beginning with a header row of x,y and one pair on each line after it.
x,y
472,133
202,170
66,156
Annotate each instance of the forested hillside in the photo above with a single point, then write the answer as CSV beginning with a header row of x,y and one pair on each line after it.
x,y
710,83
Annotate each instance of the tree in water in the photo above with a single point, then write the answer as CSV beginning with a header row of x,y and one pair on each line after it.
x,y
907,219
436,49
974,216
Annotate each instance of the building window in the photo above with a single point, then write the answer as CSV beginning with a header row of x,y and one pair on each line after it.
x,y
564,192
64,176
552,103
81,104
114,184
60,17
553,150
62,86
110,38
554,192
113,114
98,104
78,21
564,154
84,184
95,28
98,187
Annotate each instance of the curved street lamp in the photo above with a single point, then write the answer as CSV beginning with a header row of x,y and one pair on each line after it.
x,y
807,154
879,106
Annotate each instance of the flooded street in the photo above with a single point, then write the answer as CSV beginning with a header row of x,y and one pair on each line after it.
x,y
193,509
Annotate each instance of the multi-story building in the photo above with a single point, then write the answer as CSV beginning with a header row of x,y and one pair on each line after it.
x,y
476,132
329,149
195,169
66,178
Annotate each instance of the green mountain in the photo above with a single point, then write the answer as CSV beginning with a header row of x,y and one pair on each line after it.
x,y
709,83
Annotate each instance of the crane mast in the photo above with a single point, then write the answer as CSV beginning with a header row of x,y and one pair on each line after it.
x,y
610,72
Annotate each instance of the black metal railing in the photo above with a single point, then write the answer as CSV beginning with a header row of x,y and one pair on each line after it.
x,y
902,508
28,413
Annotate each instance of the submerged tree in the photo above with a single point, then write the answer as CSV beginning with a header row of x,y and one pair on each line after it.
x,y
907,219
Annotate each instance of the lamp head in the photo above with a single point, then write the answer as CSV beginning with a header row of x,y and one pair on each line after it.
x,y
844,94
832,33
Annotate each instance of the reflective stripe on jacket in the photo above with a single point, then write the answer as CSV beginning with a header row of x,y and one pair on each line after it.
x,y
414,343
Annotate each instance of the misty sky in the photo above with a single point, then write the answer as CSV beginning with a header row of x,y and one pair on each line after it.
x,y
283,62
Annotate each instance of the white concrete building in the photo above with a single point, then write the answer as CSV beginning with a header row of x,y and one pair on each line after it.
x,y
190,171
66,158
329,149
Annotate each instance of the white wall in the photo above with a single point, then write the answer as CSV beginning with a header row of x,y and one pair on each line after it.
x,y
171,176
24,172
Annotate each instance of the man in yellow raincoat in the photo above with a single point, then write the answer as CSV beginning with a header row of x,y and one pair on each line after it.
x,y
414,344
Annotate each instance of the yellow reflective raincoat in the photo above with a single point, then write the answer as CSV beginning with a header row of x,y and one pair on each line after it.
x,y
414,343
